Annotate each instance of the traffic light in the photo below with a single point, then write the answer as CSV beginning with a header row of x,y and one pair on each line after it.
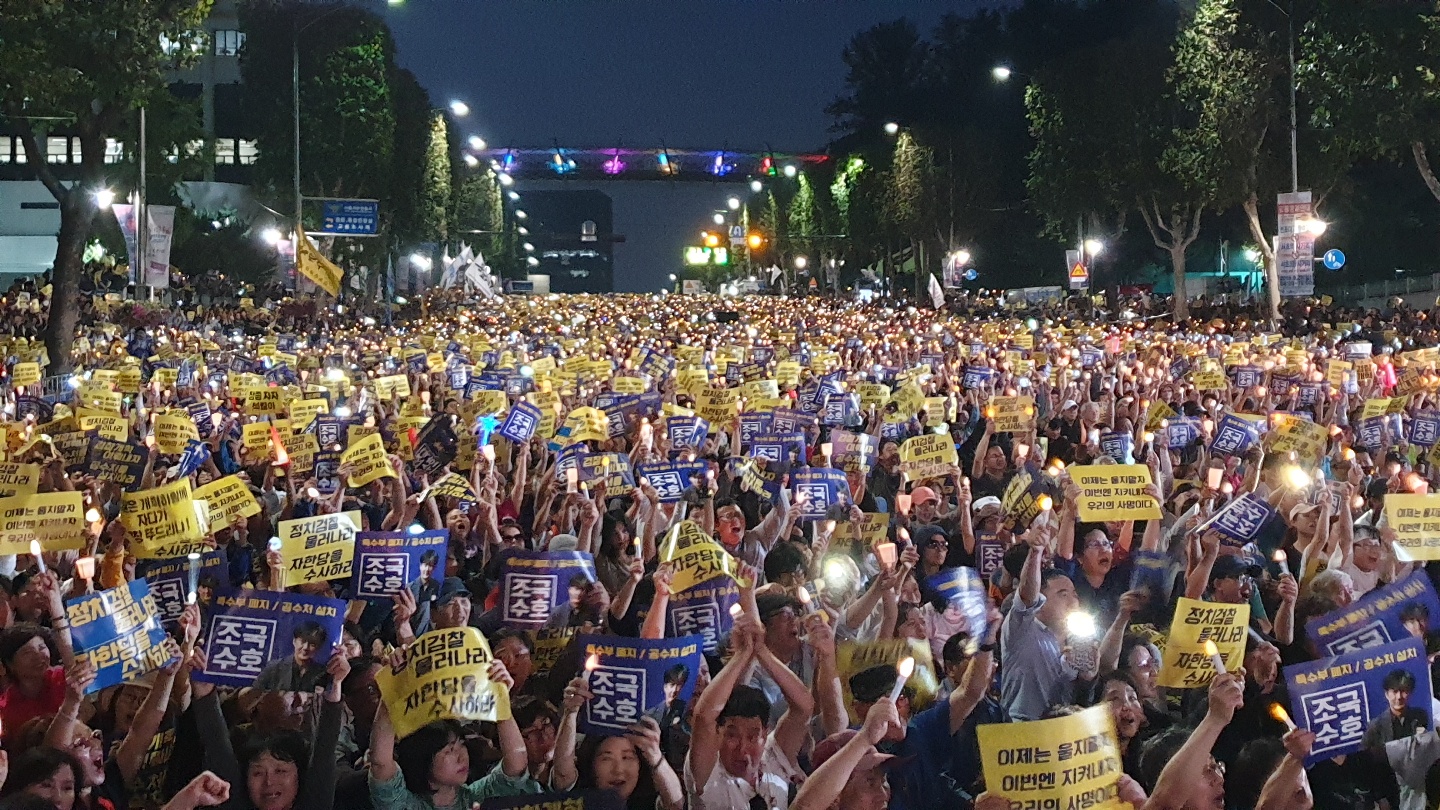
x,y
712,240
755,240
767,166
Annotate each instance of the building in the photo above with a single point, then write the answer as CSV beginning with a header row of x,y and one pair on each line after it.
x,y
572,233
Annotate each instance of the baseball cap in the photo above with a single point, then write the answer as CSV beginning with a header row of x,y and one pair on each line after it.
x,y
923,494
1069,403
1229,566
1302,508
449,589
772,602
828,747
987,502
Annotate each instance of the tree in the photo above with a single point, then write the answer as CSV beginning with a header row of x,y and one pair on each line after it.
x,y
433,224
909,206
801,217
92,65
885,80
1371,71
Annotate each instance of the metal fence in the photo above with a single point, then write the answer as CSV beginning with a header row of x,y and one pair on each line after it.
x,y
1405,287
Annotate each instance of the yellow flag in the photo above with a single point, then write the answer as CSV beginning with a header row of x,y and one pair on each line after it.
x,y
312,265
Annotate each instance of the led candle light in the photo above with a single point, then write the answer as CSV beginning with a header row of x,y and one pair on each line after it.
x,y
885,553
194,571
85,567
805,602
488,451
1278,712
1046,503
92,515
902,502
1022,451
736,610
1213,476
1215,659
1283,561
907,666
35,552
825,448
591,664
572,477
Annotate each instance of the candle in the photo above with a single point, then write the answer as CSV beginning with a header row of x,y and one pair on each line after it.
x,y
907,666
902,502
825,448
85,567
572,477
591,664
736,610
1212,477
1283,561
1021,451
1215,659
488,451
92,515
1046,503
1278,712
885,553
35,552
804,597
194,571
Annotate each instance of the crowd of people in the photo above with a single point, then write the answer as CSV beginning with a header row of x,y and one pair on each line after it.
x,y
979,560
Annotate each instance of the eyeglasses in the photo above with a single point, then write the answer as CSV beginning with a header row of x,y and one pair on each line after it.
x,y
940,544
510,537
1104,543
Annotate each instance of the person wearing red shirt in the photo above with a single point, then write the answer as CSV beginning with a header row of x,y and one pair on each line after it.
x,y
35,687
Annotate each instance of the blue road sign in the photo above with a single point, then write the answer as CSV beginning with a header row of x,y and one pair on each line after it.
x,y
1334,259
349,218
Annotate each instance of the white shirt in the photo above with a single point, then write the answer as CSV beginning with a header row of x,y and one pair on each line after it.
x,y
722,791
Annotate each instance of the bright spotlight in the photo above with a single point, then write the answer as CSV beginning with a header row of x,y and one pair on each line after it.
x,y
460,108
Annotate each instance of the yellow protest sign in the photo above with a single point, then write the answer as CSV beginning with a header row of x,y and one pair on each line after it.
x,y
1071,761
718,406
453,485
25,374
936,410
226,499
163,522
908,399
392,386
1114,492
304,411
1335,371
255,438
1416,522
587,424
853,658
876,394
19,479
696,557
265,402
1185,663
55,519
1159,412
787,372
368,458
302,448
490,402
1304,438
129,381
869,531
173,429
1012,414
106,425
312,264
444,678
927,456
318,548
100,398
1210,381
627,385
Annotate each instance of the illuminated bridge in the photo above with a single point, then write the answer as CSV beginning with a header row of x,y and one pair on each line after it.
x,y
661,163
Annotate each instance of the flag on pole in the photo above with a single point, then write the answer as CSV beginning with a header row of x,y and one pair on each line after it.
x,y
314,266
937,293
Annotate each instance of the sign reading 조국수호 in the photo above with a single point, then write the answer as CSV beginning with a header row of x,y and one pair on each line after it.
x,y
170,582
1416,522
629,682
1185,664
670,480
119,632
817,490
1242,520
318,548
1233,436
1065,762
1114,492
927,456
522,421
388,562
538,582
704,610
445,677
1377,618
695,557
348,218
55,519
250,634
1342,699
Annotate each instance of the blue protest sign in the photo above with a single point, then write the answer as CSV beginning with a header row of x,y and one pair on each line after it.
x,y
672,479
704,610
250,638
195,455
1181,432
1153,572
1117,446
755,424
853,450
1379,617
522,421
1233,436
788,420
170,581
759,476
1248,376
200,415
687,431
778,447
631,678
386,562
1370,434
1340,699
816,490
964,591
1091,356
119,632
976,377
1311,393
989,553
536,583
1425,428
34,407
1242,520
349,218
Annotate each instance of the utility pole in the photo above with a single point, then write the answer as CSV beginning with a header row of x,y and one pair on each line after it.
x,y
142,222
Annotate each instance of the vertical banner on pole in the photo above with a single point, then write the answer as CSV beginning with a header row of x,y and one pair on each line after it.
x,y
1295,245
125,216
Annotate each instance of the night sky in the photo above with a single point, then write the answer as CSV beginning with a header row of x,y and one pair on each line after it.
x,y
693,73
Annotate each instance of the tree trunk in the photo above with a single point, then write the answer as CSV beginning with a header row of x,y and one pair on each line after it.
x,y
76,213
1177,266
1267,254
1422,162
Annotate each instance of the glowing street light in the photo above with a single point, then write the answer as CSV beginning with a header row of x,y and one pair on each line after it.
x,y
532,262
104,198
800,262
472,161
529,248
719,218
1094,247
790,170
270,236
733,203
1252,255
1002,73
672,276
892,129
421,261
459,108
513,196
506,180
1314,227
476,142
521,215
756,186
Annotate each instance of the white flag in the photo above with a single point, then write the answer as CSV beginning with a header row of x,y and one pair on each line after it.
x,y
937,293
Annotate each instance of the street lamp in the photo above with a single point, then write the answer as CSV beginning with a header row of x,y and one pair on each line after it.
x,y
529,248
1314,227
421,261
1094,247
472,161
459,108
719,218
104,198
672,276
270,236
892,129
520,215
506,180
756,186
532,262
790,170
1252,255
733,203
477,143
513,196
1002,73
800,262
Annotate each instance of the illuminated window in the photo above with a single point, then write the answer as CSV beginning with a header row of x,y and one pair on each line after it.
x,y
77,152
224,151
114,151
5,145
247,152
56,149
229,43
